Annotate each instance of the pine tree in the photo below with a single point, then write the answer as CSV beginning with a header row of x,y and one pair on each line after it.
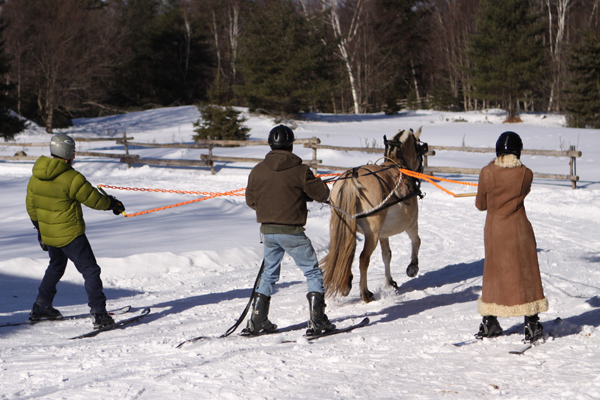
x,y
506,52
220,123
582,102
286,65
10,124
166,61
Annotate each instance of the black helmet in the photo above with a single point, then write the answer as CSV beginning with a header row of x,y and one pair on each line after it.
x,y
509,143
281,138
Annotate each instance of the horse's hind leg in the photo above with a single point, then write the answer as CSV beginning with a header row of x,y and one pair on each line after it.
x,y
365,259
386,254
413,268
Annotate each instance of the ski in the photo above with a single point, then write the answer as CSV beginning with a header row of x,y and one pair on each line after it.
x,y
279,330
362,323
522,349
117,311
527,346
291,328
466,342
117,325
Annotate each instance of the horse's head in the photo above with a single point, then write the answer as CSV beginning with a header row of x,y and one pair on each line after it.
x,y
406,149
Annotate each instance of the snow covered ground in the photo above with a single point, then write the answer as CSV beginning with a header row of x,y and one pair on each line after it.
x,y
194,266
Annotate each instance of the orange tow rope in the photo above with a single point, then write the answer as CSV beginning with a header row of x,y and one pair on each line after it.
x,y
239,192
430,179
207,195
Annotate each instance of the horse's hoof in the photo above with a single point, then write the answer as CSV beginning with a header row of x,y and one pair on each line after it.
x,y
393,284
349,287
368,297
347,291
412,270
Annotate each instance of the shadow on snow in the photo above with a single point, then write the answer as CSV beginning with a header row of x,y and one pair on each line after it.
x,y
19,294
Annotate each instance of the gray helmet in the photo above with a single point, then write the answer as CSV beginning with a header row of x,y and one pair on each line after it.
x,y
62,146
281,138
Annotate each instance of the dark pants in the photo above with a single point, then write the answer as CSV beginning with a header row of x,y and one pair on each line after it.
x,y
80,253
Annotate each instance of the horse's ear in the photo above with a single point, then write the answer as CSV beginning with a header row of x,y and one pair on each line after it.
x,y
418,133
402,136
384,140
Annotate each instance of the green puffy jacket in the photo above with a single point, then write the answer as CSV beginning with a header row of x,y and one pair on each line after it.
x,y
54,196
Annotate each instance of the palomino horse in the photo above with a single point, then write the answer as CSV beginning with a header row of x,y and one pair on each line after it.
x,y
377,201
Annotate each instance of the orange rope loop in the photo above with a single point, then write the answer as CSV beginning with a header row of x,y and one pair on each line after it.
x,y
430,178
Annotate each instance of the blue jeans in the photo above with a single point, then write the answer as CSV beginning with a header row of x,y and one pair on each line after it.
x,y
80,253
299,247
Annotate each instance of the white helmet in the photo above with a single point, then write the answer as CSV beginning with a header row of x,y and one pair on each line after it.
x,y
62,146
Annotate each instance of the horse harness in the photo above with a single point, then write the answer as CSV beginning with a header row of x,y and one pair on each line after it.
x,y
421,150
385,187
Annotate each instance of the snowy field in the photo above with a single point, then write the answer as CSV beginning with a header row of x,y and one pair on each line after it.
x,y
194,266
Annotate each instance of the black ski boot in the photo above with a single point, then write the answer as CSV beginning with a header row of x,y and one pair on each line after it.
x,y
39,312
533,329
102,320
489,328
318,321
258,321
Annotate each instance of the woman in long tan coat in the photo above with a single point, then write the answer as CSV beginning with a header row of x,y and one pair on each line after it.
x,y
512,285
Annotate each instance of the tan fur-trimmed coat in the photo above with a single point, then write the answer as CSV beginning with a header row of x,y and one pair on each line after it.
x,y
512,285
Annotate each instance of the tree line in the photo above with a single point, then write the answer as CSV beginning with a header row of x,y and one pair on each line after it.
x,y
64,59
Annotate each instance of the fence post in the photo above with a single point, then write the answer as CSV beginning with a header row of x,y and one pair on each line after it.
x,y
314,152
126,147
573,168
210,154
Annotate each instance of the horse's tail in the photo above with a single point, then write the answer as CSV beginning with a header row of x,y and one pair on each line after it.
x,y
337,264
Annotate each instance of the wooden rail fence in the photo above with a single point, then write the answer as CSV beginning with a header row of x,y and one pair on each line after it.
x,y
572,154
208,160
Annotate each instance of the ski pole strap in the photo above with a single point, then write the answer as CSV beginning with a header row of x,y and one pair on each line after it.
x,y
245,312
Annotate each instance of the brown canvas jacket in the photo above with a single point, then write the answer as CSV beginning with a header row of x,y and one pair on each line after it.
x,y
512,285
279,187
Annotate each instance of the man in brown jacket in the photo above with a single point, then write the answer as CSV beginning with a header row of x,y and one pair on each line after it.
x,y
278,189
512,285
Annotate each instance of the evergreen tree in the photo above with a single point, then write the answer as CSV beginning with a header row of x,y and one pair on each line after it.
x,y
506,52
220,123
286,65
10,124
582,102
401,32
167,61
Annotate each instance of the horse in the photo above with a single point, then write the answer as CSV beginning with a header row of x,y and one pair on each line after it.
x,y
377,201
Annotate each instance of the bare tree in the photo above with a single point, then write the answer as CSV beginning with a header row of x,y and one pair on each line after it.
x,y
594,10
225,29
185,10
556,40
233,31
344,38
455,24
59,47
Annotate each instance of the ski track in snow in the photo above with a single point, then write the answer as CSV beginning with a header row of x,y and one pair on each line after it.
x,y
194,266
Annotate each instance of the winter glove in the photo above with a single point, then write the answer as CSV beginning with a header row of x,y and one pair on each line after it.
x,y
116,206
43,245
